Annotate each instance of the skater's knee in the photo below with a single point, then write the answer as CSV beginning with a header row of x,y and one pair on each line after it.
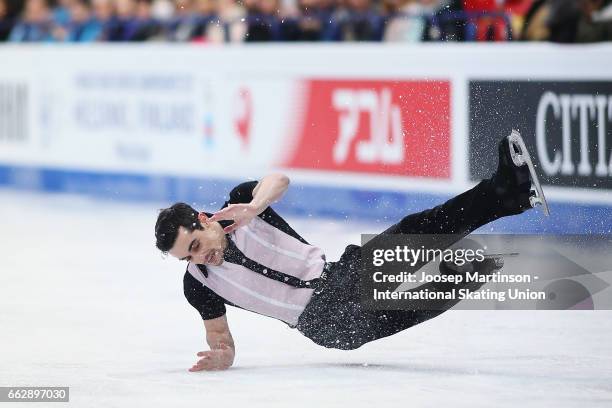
x,y
351,344
338,342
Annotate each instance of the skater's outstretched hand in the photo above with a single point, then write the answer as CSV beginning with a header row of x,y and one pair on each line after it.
x,y
241,214
216,359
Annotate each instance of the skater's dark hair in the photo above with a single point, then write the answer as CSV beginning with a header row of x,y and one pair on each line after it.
x,y
168,222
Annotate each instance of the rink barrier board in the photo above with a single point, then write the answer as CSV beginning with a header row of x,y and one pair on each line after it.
x,y
566,125
171,122
200,112
341,203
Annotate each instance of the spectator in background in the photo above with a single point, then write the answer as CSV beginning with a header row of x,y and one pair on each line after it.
x,y
221,21
595,22
148,27
516,11
407,23
103,13
6,21
330,6
206,11
447,22
309,21
263,23
162,10
568,21
563,18
232,26
123,23
180,25
604,13
36,23
535,25
192,20
359,21
486,26
487,22
61,12
82,27
133,22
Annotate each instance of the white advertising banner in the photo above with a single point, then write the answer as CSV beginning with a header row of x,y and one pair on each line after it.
x,y
356,115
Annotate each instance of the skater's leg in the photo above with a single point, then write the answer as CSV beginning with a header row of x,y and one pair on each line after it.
x,y
444,225
349,326
335,318
390,322
459,215
507,192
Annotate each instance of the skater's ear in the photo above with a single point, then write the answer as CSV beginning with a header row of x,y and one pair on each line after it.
x,y
203,218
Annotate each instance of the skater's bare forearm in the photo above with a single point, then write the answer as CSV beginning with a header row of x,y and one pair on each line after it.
x,y
216,339
222,350
269,190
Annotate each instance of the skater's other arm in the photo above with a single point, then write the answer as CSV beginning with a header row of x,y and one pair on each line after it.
x,y
268,190
222,350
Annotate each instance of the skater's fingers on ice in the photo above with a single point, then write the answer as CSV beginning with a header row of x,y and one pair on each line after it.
x,y
197,368
201,365
204,364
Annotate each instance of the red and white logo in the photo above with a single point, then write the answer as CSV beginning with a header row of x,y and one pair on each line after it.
x,y
392,127
385,144
244,115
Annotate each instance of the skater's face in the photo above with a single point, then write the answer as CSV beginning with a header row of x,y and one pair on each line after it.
x,y
204,247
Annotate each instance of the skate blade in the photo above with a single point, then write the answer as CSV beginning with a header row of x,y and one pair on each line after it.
x,y
498,259
501,255
520,156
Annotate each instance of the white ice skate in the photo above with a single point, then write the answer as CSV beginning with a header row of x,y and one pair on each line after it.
x,y
520,157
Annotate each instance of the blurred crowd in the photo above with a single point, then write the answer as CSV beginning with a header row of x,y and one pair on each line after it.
x,y
218,21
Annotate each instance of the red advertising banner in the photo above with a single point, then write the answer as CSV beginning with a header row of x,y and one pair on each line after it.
x,y
390,127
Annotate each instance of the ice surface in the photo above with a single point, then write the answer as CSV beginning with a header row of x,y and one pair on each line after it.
x,y
87,301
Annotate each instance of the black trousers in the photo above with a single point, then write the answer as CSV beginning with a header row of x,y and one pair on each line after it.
x,y
334,317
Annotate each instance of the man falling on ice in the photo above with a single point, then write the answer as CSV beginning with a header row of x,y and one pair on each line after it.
x,y
246,255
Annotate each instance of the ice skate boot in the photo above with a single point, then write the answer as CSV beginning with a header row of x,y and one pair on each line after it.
x,y
515,181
